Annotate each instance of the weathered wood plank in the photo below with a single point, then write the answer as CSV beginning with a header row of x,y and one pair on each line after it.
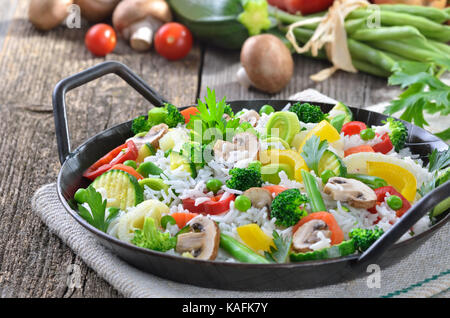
x,y
33,261
220,67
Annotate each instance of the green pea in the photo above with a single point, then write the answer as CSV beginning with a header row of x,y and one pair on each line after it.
x,y
367,134
266,109
344,208
167,219
130,163
394,202
327,174
80,195
242,203
214,185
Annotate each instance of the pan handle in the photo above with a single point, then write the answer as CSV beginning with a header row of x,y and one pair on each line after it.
x,y
403,225
86,76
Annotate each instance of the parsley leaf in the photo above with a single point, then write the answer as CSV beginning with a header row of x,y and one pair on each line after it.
x,y
439,160
313,151
97,206
281,252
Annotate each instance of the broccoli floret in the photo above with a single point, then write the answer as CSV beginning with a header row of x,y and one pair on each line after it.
x,y
364,238
150,237
255,165
173,117
140,124
196,153
244,178
308,113
398,134
286,207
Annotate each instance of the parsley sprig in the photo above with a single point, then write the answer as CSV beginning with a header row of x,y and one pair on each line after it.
x,y
439,160
280,253
312,152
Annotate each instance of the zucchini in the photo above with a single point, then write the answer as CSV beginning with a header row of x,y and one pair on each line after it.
x,y
122,189
145,151
331,161
343,249
177,160
224,23
341,108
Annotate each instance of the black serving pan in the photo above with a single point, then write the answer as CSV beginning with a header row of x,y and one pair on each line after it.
x,y
226,275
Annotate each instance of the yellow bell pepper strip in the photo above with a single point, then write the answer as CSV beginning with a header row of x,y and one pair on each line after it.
x,y
325,131
400,178
289,157
255,238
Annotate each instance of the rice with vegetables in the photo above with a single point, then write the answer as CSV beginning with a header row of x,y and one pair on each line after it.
x,y
258,187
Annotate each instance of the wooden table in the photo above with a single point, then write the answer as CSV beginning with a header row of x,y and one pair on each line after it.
x,y
33,261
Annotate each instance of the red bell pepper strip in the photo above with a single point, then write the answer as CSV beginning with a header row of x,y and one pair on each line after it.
x,y
385,145
188,112
212,207
122,153
127,169
381,195
353,128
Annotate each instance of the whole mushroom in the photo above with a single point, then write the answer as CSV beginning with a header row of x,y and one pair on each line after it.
x,y
96,10
356,193
136,20
266,63
48,14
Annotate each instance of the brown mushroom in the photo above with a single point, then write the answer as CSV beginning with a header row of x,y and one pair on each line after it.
x,y
96,10
259,197
203,239
152,137
48,14
266,63
136,20
355,192
250,116
308,234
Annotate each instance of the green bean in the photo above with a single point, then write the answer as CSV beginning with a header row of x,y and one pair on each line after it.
x,y
404,49
372,181
430,13
386,33
444,48
239,251
315,198
354,24
287,18
363,52
368,68
427,27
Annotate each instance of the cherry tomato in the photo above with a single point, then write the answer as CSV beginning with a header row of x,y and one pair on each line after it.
x,y
385,145
100,39
278,3
127,151
173,41
212,207
307,6
353,128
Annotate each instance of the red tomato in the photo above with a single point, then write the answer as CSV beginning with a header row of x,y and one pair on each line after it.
x,y
353,128
385,145
212,207
381,195
307,6
100,39
127,151
173,41
280,4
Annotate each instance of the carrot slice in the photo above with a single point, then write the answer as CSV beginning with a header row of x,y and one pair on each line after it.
x,y
183,217
188,112
127,169
357,149
275,189
337,236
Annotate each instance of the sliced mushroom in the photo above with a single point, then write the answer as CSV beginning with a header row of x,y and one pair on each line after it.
x,y
245,146
308,234
247,142
355,192
152,137
250,116
259,197
203,240
222,149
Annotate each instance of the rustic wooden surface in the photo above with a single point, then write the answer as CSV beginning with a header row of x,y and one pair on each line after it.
x,y
33,261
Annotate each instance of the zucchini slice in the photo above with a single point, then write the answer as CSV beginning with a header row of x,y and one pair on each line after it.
x,y
341,108
122,189
331,161
343,249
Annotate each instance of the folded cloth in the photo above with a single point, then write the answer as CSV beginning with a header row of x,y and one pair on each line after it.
x,y
423,273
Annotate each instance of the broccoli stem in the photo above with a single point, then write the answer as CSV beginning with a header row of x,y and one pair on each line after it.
x,y
315,198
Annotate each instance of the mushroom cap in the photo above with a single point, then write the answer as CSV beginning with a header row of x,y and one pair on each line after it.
x,y
129,12
250,116
96,10
307,234
259,197
268,62
152,137
353,191
203,241
47,14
